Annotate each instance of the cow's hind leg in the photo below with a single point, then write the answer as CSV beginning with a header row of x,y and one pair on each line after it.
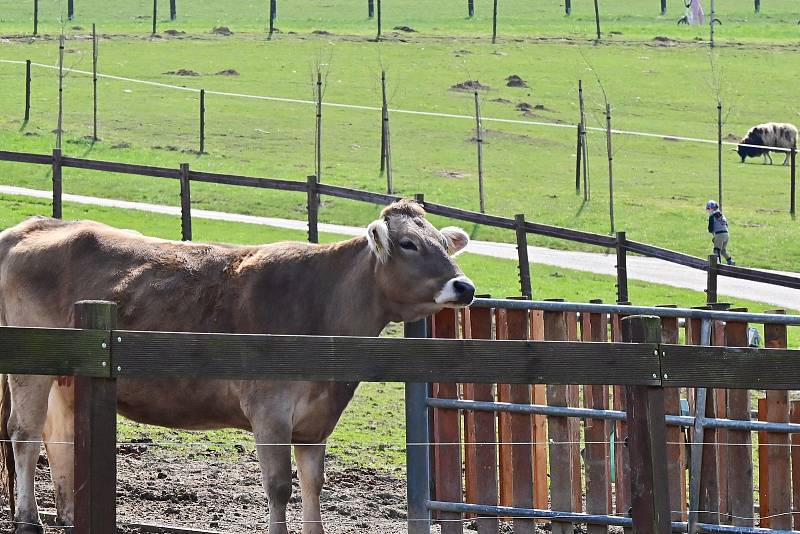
x,y
59,437
275,458
311,469
25,425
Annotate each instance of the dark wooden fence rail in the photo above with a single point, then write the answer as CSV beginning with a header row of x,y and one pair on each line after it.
x,y
620,242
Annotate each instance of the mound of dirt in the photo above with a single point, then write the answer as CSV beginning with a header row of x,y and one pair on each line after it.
x,y
121,145
664,41
183,72
174,33
469,85
501,100
454,174
516,81
321,32
227,72
407,29
523,106
222,30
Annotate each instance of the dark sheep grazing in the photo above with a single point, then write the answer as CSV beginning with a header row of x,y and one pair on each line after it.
x,y
769,135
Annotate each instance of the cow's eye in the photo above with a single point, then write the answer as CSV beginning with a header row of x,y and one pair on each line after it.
x,y
407,244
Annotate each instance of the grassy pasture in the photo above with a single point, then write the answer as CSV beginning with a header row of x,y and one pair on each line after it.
x,y
372,430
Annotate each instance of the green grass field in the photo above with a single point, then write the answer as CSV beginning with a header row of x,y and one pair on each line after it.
x,y
372,429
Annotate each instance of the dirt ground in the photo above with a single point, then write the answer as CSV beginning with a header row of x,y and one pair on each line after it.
x,y
215,491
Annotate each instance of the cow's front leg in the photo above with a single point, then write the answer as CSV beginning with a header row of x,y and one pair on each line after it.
x,y
767,158
311,469
59,437
273,436
25,424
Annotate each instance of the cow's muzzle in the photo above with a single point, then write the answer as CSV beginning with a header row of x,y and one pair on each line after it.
x,y
457,291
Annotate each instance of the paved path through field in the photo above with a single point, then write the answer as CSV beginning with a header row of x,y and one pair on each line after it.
x,y
639,268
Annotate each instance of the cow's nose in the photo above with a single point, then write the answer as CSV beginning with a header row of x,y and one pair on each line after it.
x,y
465,290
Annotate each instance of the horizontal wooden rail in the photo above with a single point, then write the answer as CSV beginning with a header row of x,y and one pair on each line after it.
x,y
141,355
356,194
666,255
24,157
247,181
755,275
54,351
123,168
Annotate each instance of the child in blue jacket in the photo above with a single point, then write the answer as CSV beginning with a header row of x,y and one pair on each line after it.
x,y
718,228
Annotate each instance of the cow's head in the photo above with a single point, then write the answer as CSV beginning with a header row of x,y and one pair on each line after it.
x,y
748,151
414,270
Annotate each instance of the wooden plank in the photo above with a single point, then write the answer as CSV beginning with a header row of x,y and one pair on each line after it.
x,y
779,486
54,351
355,194
521,431
24,157
504,423
709,474
95,434
622,486
122,168
539,435
485,431
740,458
248,181
598,480
447,434
795,418
647,443
561,492
404,360
763,472
732,367
676,452
468,419
574,424
721,407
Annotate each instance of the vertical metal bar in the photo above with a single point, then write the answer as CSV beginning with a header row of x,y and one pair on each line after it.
x,y
155,15
202,121
70,9
663,7
27,90
578,154
711,279
383,120
584,146
470,8
378,37
697,441
494,23
610,168
318,130
186,204
371,8
719,153
94,82
522,255
272,6
313,209
479,141
35,17
95,432
758,6
417,450
567,7
793,180
173,10
57,183
622,268
597,18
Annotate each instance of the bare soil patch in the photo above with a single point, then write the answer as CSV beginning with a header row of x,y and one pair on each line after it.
x,y
227,72
515,81
407,29
182,72
469,85
222,30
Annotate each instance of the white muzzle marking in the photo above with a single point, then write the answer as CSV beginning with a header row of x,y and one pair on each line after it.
x,y
449,294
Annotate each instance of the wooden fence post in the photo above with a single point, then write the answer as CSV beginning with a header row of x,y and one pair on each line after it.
x,y
597,18
94,82
313,209
479,142
57,183
417,455
155,16
567,7
758,6
522,255
35,17
711,279
371,8
494,22
647,439
173,10
27,90
96,432
470,8
272,8
378,36
663,7
70,9
622,268
186,204
202,121
792,181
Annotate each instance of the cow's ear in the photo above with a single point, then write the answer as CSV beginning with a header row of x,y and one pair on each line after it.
x,y
378,239
457,239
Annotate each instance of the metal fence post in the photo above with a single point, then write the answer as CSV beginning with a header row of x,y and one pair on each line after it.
x,y
57,183
313,209
27,90
202,121
417,449
522,255
96,432
647,439
186,204
622,268
793,181
711,279
173,10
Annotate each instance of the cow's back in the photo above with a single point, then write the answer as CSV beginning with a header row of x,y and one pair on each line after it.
x,y
46,265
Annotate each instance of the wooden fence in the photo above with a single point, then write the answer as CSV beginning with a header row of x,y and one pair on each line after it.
x,y
581,464
315,190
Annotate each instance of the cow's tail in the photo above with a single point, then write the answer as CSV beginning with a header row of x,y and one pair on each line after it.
x,y
7,469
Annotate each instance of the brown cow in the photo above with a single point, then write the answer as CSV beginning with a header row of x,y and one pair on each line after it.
x,y
401,271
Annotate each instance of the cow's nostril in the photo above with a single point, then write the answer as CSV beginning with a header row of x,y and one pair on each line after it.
x,y
464,290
